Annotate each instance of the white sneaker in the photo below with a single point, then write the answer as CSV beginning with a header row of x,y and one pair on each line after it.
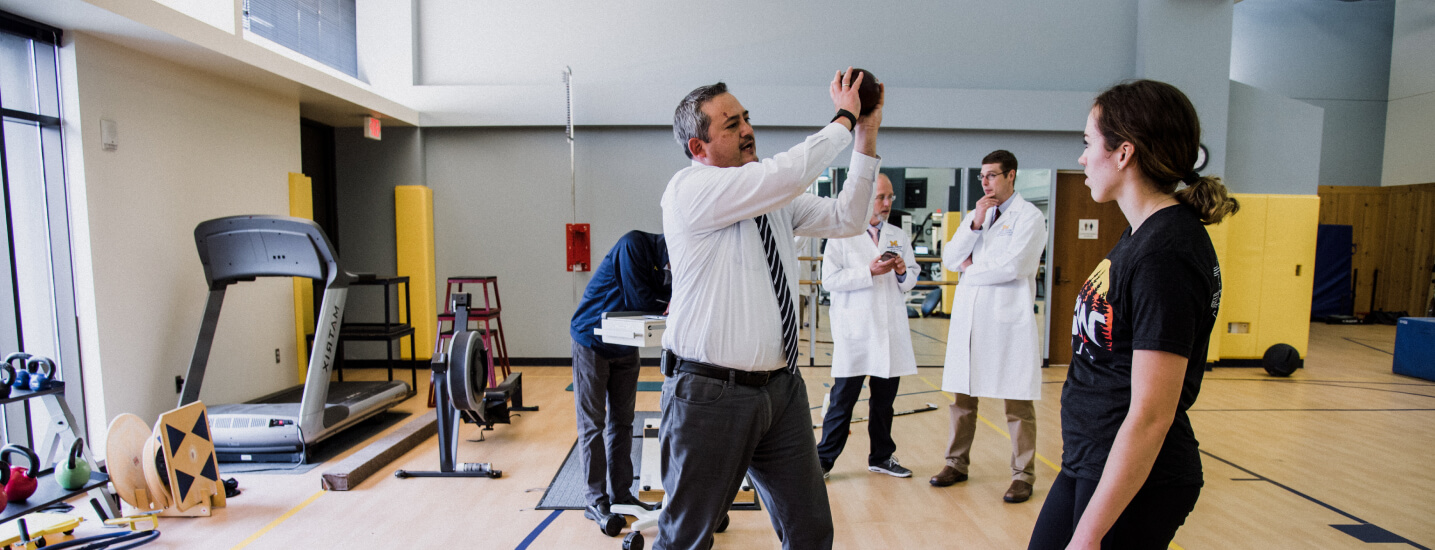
x,y
891,468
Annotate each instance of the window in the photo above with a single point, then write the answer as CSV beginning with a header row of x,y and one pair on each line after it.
x,y
322,30
37,304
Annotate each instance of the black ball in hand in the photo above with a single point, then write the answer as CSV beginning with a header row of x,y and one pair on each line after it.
x,y
868,92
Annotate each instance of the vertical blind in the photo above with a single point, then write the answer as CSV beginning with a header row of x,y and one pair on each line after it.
x,y
322,30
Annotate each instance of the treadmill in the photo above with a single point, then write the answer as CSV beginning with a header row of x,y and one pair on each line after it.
x,y
280,426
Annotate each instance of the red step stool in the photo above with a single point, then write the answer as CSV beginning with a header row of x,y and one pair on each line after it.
x,y
487,313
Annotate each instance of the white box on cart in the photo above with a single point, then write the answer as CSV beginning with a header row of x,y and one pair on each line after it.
x,y
643,331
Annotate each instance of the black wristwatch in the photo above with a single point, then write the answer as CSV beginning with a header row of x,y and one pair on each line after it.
x,y
841,113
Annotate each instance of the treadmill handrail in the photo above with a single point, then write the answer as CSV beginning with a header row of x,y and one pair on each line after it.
x,y
242,248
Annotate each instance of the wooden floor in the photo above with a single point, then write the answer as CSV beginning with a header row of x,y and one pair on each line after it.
x,y
1341,442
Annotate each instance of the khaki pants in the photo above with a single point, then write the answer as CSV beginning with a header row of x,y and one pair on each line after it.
x,y
1021,423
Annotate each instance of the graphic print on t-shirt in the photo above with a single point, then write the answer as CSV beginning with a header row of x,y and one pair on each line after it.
x,y
1092,324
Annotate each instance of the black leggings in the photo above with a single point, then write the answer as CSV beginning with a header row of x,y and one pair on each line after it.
x,y
1150,521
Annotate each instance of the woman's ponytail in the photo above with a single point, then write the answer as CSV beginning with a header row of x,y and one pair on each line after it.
x,y
1208,196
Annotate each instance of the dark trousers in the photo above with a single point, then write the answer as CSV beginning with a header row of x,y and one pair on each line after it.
x,y
600,384
835,426
713,432
1149,521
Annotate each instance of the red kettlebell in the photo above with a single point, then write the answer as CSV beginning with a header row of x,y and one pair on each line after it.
x,y
21,483
4,479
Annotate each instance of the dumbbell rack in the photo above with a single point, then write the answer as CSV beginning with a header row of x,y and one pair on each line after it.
x,y
58,438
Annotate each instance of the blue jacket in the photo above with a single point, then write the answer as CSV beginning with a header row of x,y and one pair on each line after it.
x,y
630,278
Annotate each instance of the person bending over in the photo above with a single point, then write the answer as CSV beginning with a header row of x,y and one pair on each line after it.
x,y
633,276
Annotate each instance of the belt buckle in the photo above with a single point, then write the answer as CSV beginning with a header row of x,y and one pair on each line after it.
x,y
760,378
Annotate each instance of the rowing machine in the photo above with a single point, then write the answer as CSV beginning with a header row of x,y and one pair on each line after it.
x,y
461,395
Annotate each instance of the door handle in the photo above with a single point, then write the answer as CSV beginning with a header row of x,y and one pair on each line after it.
x,y
1056,276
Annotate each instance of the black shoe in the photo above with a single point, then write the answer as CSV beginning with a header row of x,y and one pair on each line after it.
x,y
593,511
635,502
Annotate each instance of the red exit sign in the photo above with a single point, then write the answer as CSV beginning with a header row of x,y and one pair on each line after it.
x,y
373,128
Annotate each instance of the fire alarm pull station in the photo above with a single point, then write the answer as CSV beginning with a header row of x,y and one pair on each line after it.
x,y
578,255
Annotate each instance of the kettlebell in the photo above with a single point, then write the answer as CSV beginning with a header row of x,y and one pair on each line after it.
x,y
41,370
22,484
73,472
7,377
4,478
18,382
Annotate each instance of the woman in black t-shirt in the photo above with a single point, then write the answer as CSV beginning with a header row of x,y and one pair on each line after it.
x,y
1130,469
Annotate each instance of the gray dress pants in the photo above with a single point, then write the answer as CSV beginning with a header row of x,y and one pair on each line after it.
x,y
713,432
599,382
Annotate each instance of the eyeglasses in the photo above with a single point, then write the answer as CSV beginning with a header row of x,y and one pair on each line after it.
x,y
990,176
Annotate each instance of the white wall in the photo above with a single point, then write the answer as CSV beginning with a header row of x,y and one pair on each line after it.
x,y
1275,143
219,13
191,147
1334,55
1410,122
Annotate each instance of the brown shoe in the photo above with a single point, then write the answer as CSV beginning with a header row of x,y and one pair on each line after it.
x,y
1020,491
947,476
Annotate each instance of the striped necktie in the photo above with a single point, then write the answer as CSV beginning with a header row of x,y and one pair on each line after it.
x,y
778,275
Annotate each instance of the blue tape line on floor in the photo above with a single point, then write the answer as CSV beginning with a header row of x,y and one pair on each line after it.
x,y
1364,531
536,530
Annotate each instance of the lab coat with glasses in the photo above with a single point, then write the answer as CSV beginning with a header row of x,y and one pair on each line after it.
x,y
992,345
870,335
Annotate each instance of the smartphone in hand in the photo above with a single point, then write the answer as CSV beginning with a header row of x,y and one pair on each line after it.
x,y
888,255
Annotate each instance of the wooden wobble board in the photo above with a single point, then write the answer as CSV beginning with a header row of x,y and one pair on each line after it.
x,y
124,459
154,477
186,448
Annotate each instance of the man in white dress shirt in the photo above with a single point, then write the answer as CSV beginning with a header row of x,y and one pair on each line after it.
x,y
734,402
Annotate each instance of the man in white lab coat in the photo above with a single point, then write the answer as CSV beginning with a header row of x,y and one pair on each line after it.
x,y
992,347
868,276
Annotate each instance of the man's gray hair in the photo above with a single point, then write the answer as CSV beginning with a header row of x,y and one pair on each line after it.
x,y
689,120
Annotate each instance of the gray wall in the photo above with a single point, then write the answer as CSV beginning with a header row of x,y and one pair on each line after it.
x,y
502,197
1334,55
1411,115
1275,143
366,173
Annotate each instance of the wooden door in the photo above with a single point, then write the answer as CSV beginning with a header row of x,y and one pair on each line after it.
x,y
1073,258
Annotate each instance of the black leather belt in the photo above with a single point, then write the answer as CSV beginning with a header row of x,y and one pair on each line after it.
x,y
746,378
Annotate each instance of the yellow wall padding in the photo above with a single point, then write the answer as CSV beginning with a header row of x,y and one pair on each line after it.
x,y
1218,233
413,243
950,221
301,205
1267,274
